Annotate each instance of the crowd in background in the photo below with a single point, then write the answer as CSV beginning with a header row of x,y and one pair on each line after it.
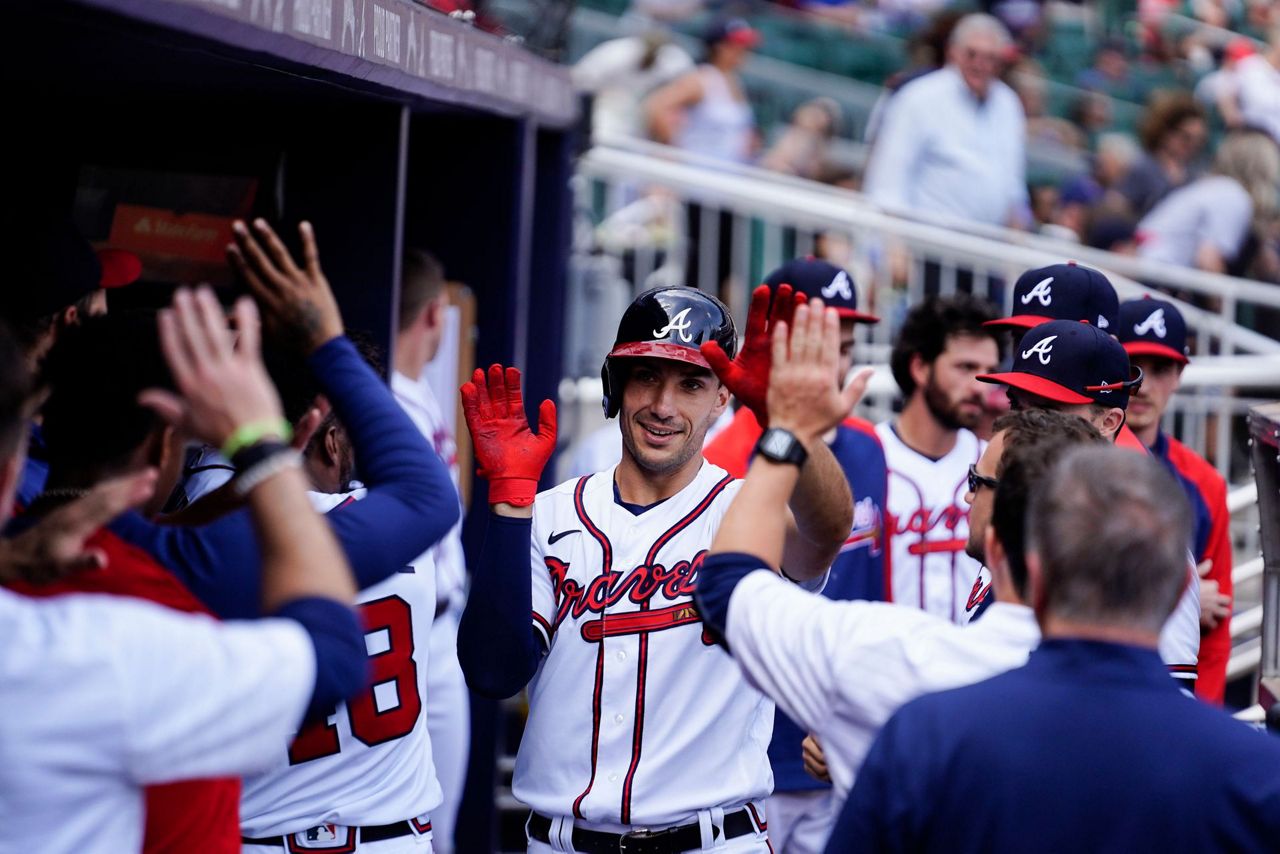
x,y
1172,114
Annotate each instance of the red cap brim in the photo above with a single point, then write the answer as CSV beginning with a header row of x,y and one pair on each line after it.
x,y
746,38
856,316
1020,321
1151,348
659,350
119,268
1039,386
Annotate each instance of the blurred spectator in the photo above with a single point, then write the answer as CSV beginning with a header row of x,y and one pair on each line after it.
x,y
706,110
1110,73
1206,223
620,73
1173,131
926,53
1113,233
1114,156
1220,90
666,10
1258,79
802,148
1091,113
1043,129
952,141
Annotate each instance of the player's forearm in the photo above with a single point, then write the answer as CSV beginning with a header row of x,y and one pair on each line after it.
x,y
823,509
755,522
300,557
497,649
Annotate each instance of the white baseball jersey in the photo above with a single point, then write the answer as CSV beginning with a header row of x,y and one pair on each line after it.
x,y
421,406
635,718
930,524
841,669
104,695
369,763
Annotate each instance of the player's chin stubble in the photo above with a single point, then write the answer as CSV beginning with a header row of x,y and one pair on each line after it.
x,y
657,464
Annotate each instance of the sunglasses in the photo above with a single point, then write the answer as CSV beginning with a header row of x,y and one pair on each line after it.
x,y
976,480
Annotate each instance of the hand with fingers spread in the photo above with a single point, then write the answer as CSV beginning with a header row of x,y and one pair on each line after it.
x,y
747,376
54,548
297,301
221,387
805,397
508,453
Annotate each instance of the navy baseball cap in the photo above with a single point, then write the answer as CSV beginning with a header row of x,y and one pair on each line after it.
x,y
1070,362
1062,292
1153,327
735,30
814,277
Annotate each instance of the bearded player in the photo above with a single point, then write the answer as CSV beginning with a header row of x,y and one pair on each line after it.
x,y
639,728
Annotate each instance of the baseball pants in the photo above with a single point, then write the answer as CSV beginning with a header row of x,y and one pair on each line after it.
x,y
800,822
448,724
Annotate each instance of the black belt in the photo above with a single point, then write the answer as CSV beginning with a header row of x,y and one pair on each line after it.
x,y
686,837
375,833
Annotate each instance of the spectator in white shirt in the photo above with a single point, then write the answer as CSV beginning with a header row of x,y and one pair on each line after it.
x,y
952,141
1205,224
1258,88
620,73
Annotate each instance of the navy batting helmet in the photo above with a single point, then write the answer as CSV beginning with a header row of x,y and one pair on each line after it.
x,y
666,323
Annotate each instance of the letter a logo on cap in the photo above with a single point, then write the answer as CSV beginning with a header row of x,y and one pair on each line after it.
x,y
1042,350
1154,323
1041,292
679,323
839,285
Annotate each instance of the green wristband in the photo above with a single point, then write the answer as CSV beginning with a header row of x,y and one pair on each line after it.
x,y
254,432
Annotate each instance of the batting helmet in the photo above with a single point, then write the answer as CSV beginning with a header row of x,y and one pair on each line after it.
x,y
666,323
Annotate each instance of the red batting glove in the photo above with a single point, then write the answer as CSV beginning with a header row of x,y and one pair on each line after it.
x,y
508,454
748,375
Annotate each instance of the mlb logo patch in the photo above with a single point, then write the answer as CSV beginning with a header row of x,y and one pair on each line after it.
x,y
323,833
325,837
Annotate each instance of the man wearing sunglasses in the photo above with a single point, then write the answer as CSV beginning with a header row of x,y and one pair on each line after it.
x,y
1078,369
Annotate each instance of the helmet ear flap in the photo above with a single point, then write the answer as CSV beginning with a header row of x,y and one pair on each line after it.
x,y
611,384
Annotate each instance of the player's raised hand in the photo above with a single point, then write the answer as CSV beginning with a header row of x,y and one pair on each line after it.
x,y
747,376
297,301
222,386
508,453
55,546
805,397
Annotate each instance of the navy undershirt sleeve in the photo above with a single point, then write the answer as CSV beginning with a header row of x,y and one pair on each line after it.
x,y
497,647
341,659
717,578
410,506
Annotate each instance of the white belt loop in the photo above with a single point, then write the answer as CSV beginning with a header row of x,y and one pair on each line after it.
x,y
711,825
561,833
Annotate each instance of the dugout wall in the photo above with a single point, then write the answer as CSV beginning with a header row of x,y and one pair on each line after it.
x,y
153,123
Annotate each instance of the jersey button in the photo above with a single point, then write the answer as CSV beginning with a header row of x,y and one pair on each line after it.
x,y
622,655
613,778
617,719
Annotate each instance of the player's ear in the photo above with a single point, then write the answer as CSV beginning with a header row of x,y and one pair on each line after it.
x,y
919,369
1112,421
332,445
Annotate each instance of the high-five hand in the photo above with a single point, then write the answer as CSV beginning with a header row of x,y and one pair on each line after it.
x,y
508,453
297,302
747,376
804,386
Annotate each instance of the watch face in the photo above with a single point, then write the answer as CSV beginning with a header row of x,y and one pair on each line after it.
x,y
776,444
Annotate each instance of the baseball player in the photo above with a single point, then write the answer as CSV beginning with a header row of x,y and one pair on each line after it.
x,y
639,730
841,669
942,348
802,807
422,311
1155,337
104,695
1079,369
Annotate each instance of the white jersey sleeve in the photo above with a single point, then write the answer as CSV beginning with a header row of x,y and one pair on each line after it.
x,y
1180,638
841,669
176,697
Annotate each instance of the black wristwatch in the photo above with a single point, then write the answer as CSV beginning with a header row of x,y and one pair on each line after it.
x,y
781,446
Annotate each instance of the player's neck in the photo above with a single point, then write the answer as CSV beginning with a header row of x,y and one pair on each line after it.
x,y
1147,435
411,357
638,486
921,432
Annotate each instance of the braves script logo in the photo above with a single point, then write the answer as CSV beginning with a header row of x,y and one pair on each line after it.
x,y
1043,349
839,285
925,520
604,591
1154,323
1041,292
679,323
